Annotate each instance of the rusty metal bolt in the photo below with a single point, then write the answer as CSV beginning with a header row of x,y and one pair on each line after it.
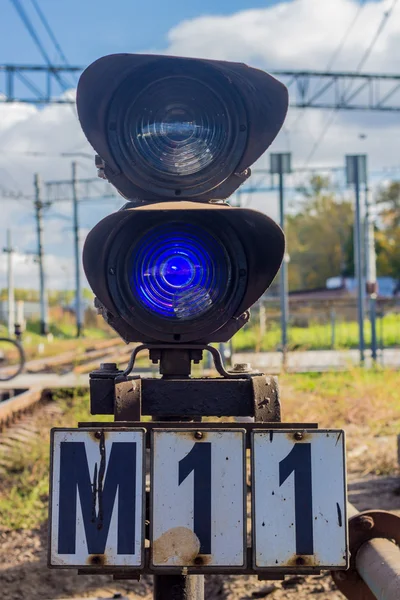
x,y
341,575
198,435
300,560
365,522
198,560
298,435
97,435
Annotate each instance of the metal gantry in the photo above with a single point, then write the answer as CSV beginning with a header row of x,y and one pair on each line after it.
x,y
39,84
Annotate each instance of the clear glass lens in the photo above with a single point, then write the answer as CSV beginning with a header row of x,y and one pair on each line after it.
x,y
179,271
178,126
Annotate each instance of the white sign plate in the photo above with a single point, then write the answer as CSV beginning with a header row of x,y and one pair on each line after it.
x,y
198,498
97,498
299,500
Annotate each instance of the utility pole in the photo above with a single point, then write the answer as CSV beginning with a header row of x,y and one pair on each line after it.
x,y
371,285
356,171
9,250
78,305
44,327
281,164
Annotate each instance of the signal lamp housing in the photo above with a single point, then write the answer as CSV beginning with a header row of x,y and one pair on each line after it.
x,y
180,272
168,127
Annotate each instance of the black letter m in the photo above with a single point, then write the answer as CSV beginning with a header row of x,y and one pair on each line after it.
x,y
97,500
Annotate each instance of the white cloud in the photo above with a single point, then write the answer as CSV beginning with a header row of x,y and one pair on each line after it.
x,y
301,34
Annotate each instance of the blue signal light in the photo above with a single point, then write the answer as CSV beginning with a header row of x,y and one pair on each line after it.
x,y
179,271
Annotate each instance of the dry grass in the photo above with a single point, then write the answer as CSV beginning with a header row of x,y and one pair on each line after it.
x,y
364,403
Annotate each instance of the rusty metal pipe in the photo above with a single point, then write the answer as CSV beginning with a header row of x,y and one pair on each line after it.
x,y
378,563
375,547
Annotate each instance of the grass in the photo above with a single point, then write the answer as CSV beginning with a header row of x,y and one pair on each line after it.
x,y
318,336
362,397
61,339
366,403
25,483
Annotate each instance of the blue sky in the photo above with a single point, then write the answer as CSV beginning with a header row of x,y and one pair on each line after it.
x,y
87,29
286,34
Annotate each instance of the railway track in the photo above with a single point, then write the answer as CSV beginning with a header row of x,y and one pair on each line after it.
x,y
16,403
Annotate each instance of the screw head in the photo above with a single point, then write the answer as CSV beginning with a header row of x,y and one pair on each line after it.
x,y
97,435
341,575
365,522
198,435
298,435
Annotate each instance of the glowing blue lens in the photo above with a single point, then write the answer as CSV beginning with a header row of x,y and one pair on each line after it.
x,y
179,271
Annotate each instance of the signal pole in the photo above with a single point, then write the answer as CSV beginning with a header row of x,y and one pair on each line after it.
x,y
281,164
371,285
78,307
9,250
44,327
356,171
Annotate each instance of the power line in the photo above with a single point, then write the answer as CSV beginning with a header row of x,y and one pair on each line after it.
x,y
381,26
32,32
345,37
338,50
360,65
50,33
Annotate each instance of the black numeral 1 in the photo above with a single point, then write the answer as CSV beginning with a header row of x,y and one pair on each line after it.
x,y
299,461
198,460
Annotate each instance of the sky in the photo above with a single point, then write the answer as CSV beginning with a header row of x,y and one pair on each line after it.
x,y
294,34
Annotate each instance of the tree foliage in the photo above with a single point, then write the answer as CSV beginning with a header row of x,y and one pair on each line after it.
x,y
319,236
388,231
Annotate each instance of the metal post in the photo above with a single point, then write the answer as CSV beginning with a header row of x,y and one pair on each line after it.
x,y
333,328
39,228
178,587
10,283
358,258
263,320
283,283
78,307
370,258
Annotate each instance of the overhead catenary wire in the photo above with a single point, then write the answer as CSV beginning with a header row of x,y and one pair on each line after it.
x,y
337,52
32,32
387,14
51,33
36,38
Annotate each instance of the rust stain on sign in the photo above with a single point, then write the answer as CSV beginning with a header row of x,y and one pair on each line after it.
x,y
97,560
179,546
302,560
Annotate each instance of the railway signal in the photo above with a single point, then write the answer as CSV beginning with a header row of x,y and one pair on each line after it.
x,y
171,129
176,269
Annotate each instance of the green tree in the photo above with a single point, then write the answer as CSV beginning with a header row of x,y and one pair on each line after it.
x,y
319,236
388,231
